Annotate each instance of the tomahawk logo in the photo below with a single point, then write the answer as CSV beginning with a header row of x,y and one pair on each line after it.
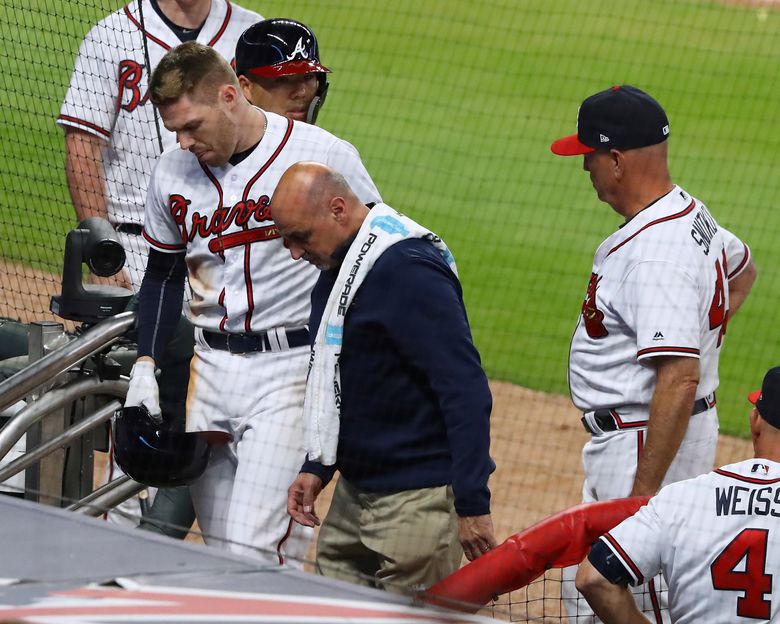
x,y
299,51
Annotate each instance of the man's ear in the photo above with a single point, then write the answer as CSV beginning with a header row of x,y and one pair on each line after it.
x,y
228,94
245,85
618,161
338,208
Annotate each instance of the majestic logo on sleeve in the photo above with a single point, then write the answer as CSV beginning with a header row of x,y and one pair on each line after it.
x,y
130,74
593,317
214,226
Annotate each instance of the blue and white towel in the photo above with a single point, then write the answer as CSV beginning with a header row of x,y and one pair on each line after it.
x,y
382,228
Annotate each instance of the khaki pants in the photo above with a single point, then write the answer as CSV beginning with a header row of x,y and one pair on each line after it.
x,y
401,542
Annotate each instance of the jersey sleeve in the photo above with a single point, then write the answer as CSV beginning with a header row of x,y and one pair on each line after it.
x,y
737,254
344,158
662,301
90,102
160,229
636,544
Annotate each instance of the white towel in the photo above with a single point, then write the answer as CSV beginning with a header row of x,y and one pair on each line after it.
x,y
382,228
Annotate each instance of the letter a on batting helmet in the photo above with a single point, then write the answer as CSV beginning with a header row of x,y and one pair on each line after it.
x,y
282,47
153,456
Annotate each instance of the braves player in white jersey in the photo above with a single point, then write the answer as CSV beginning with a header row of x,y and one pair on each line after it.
x,y
113,137
643,364
208,216
716,538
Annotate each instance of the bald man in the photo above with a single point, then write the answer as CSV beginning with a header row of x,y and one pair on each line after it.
x,y
405,417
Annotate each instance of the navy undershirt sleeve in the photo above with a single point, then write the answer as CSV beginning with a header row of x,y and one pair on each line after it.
x,y
608,565
160,301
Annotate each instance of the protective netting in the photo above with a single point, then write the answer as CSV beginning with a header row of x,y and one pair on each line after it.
x,y
452,107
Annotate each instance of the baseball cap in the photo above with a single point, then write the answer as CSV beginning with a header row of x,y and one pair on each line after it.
x,y
622,117
278,47
767,400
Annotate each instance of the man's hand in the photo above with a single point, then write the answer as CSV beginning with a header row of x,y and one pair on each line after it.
x,y
476,535
300,499
143,389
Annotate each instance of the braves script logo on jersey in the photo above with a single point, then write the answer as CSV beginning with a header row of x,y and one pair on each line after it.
x,y
593,317
221,219
130,74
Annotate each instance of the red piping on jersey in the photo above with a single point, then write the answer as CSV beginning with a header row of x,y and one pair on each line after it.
x,y
158,244
221,302
159,42
621,424
654,600
220,198
677,215
224,24
742,264
245,237
619,550
733,475
81,122
690,350
250,299
285,537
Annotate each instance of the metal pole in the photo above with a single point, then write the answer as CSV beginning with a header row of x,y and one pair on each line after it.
x,y
49,366
61,441
107,497
53,400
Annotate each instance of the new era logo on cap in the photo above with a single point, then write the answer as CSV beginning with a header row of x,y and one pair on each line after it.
x,y
620,118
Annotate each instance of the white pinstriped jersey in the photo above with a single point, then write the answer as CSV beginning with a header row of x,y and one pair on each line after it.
x,y
716,538
659,286
241,276
108,97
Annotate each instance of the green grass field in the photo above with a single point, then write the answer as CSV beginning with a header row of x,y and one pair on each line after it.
x,y
453,106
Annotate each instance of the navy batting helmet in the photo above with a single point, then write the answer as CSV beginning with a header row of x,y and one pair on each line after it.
x,y
282,47
153,456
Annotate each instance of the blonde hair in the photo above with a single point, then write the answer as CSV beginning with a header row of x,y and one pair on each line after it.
x,y
190,69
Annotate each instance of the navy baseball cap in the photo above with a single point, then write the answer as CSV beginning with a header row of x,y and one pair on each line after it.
x,y
767,400
622,117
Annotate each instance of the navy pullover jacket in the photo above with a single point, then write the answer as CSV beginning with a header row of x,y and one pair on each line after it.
x,y
415,402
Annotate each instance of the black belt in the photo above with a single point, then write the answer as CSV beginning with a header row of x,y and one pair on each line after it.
x,y
129,228
261,341
606,421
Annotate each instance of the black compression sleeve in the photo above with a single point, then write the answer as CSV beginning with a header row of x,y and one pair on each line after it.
x,y
160,301
610,567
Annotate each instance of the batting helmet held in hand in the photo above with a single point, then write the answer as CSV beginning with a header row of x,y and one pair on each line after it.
x,y
282,47
153,456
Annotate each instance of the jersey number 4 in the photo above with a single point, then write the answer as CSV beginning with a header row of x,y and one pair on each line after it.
x,y
753,580
719,314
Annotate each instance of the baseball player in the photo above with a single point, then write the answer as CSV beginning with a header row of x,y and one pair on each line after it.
x,y
278,68
113,138
208,218
643,365
112,134
716,538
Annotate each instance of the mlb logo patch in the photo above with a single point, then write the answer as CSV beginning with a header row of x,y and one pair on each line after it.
x,y
760,468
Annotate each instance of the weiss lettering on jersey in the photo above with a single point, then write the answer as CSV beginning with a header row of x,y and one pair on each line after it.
x,y
108,95
658,286
716,540
241,276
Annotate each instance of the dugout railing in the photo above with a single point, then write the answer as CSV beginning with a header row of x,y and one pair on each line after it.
x,y
54,379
